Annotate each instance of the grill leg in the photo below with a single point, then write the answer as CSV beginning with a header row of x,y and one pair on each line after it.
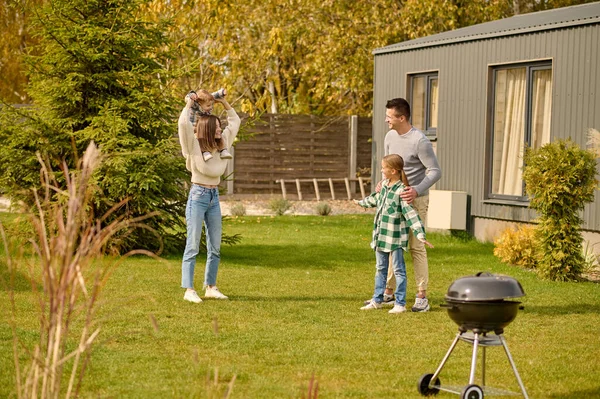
x,y
441,366
483,366
512,364
474,359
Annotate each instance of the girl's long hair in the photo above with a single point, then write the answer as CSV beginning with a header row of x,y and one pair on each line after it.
x,y
205,129
395,161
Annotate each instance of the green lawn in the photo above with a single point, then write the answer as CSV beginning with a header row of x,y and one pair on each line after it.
x,y
296,284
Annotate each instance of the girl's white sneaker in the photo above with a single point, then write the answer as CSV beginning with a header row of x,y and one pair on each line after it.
x,y
397,309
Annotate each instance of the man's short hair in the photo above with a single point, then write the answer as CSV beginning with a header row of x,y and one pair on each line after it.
x,y
400,107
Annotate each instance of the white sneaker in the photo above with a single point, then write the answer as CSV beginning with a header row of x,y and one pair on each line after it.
x,y
213,292
192,296
421,305
371,305
206,155
388,300
226,154
397,309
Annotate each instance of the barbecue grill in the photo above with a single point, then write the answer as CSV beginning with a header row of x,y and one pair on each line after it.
x,y
479,305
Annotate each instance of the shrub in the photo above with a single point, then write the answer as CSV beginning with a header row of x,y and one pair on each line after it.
x,y
238,209
518,247
560,178
279,205
323,209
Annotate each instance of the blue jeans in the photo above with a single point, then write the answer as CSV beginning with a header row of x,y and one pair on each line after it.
x,y
202,207
381,271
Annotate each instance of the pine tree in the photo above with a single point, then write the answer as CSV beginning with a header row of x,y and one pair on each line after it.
x,y
101,72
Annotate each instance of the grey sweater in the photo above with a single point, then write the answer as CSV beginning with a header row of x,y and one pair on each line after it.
x,y
420,163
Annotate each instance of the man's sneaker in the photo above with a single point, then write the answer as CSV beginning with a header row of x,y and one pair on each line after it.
x,y
421,305
371,305
206,155
213,292
190,295
225,154
388,300
397,309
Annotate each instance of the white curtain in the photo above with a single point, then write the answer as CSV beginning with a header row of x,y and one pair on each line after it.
x,y
433,104
418,102
509,131
541,108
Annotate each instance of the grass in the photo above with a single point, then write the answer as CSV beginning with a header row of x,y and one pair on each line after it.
x,y
295,285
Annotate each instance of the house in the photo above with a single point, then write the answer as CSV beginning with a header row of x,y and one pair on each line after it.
x,y
480,93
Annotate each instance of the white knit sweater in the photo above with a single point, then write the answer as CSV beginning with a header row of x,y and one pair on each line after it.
x,y
205,172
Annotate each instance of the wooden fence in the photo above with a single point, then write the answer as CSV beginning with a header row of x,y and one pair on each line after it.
x,y
301,147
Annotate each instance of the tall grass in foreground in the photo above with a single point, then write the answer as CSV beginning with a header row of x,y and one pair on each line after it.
x,y
68,239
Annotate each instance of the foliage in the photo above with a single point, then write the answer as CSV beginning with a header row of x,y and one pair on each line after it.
x,y
305,56
427,17
101,74
561,179
279,205
238,209
15,16
323,208
518,247
301,56
67,242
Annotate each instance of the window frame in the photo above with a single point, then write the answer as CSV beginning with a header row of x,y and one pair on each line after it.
x,y
530,68
430,132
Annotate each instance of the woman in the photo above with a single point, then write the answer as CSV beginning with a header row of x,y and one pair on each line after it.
x,y
203,200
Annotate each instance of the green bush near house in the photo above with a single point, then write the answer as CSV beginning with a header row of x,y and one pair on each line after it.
x,y
561,179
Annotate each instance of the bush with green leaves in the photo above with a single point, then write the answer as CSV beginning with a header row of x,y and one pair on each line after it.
x,y
279,205
101,72
561,179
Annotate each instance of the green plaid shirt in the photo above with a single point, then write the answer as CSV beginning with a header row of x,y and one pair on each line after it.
x,y
393,218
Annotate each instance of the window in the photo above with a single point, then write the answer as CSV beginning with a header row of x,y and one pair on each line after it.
x,y
521,110
424,102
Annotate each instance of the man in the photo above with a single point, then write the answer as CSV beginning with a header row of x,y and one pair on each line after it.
x,y
423,171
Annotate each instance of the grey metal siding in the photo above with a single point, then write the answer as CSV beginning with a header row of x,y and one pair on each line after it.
x,y
463,71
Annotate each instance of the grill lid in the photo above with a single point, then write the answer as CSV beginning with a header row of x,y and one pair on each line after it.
x,y
484,286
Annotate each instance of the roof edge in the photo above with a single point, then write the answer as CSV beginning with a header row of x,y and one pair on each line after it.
x,y
396,48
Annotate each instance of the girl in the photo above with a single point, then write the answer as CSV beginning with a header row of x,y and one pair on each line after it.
x,y
203,205
390,231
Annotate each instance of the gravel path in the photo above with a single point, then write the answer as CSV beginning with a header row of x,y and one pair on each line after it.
x,y
263,207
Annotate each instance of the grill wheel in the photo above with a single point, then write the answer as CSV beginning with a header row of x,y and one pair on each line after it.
x,y
472,391
423,385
